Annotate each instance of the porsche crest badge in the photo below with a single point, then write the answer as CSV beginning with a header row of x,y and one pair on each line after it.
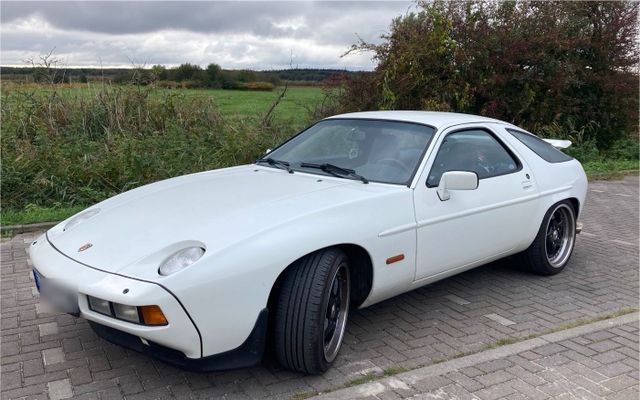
x,y
84,247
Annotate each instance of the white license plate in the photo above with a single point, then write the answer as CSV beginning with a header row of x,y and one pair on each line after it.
x,y
56,294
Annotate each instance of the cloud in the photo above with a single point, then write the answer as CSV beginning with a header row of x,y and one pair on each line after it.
x,y
260,35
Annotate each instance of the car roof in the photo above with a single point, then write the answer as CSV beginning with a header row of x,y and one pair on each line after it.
x,y
433,118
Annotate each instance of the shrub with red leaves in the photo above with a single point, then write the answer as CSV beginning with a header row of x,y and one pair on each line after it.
x,y
538,64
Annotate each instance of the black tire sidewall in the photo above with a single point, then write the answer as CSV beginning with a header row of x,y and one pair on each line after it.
x,y
300,310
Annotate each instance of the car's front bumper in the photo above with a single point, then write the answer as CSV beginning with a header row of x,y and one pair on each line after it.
x,y
80,281
248,354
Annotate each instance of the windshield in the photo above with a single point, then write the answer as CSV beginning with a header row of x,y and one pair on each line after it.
x,y
380,151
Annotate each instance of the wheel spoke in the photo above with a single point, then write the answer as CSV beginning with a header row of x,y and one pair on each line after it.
x,y
336,312
328,333
559,238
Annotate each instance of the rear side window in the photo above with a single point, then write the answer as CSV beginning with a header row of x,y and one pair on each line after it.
x,y
546,151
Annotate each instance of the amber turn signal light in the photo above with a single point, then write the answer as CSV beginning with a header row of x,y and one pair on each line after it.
x,y
152,315
394,259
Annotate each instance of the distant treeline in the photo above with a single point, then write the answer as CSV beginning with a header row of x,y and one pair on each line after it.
x,y
185,75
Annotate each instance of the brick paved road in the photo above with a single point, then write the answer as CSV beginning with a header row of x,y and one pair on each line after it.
x,y
594,361
49,355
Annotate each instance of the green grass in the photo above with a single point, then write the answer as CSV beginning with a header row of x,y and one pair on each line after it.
x,y
394,371
237,103
610,169
32,215
585,321
79,145
75,155
365,378
232,104
303,395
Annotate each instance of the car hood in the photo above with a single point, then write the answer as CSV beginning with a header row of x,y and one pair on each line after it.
x,y
212,209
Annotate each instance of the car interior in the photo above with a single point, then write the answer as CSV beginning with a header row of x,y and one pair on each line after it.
x,y
475,151
382,152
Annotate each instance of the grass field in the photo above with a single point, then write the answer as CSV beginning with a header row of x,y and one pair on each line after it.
x,y
235,103
232,104
65,147
610,169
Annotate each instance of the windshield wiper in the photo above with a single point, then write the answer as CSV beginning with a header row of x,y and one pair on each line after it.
x,y
335,170
274,162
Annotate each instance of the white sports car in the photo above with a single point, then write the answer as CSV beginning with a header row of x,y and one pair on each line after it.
x,y
200,270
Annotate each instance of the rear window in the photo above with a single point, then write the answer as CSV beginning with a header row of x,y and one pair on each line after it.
x,y
546,151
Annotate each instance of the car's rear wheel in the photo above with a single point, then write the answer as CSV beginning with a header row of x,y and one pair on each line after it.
x,y
550,251
311,311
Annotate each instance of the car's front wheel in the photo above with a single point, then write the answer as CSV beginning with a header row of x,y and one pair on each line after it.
x,y
311,311
550,251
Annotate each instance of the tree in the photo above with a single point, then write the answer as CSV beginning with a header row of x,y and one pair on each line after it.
x,y
536,64
214,73
246,76
187,72
159,72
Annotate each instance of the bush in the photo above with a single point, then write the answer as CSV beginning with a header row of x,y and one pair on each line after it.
x,y
587,151
192,84
168,84
79,150
532,63
625,149
584,145
259,86
231,85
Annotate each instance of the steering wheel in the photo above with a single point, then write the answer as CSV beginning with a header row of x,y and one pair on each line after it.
x,y
483,168
395,163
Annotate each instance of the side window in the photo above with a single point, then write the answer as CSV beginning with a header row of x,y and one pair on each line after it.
x,y
473,150
543,149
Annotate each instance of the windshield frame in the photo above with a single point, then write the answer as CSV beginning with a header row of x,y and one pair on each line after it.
x,y
413,174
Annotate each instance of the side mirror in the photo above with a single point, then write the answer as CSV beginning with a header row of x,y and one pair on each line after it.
x,y
456,180
267,152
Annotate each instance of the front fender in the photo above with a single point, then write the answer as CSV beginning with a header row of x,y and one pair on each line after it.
x,y
226,292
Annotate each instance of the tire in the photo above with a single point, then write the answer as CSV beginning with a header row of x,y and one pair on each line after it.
x,y
551,250
314,293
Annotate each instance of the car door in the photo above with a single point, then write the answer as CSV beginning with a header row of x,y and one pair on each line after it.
x,y
472,226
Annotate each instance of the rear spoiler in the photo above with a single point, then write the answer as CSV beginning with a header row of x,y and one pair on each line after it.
x,y
558,144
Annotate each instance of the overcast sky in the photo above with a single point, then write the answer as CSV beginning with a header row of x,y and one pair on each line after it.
x,y
256,35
